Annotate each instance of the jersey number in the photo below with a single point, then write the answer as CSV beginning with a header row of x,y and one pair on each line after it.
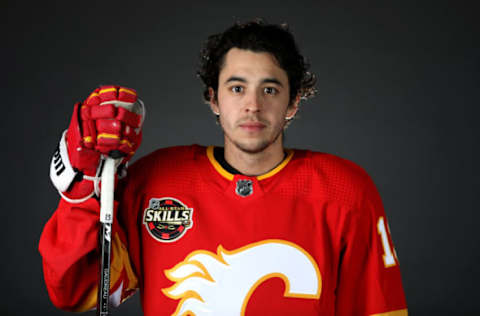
x,y
389,256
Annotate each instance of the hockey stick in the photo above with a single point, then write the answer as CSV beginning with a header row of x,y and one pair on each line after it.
x,y
106,220
107,191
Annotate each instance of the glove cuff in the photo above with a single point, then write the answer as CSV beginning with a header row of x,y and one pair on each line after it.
x,y
62,173
72,185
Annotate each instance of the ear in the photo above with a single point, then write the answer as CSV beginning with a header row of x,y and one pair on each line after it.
x,y
213,102
292,108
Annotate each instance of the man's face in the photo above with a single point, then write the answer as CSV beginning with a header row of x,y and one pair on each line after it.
x,y
252,100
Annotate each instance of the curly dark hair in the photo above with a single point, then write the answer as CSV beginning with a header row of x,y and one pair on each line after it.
x,y
257,36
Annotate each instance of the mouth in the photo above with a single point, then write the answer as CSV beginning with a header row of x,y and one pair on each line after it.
x,y
252,126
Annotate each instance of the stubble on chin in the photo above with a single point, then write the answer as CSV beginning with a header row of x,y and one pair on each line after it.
x,y
253,146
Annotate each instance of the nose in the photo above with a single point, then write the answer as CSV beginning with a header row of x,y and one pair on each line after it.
x,y
253,102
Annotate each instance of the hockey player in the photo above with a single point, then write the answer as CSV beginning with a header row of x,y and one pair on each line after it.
x,y
249,229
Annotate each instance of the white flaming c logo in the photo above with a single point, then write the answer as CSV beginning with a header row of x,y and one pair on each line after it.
x,y
221,284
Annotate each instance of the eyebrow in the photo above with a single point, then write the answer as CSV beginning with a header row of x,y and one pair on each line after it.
x,y
266,80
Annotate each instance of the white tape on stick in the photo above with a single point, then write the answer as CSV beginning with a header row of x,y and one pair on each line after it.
x,y
107,190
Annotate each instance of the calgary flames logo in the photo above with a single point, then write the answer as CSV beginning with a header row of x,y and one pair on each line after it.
x,y
222,283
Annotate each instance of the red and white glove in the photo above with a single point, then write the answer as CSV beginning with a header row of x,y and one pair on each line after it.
x,y
107,123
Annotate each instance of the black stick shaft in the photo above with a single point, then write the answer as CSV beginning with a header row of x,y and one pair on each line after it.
x,y
106,220
104,283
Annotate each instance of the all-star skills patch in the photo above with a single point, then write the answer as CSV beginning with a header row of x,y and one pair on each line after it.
x,y
167,219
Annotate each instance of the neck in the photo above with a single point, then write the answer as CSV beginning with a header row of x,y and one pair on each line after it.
x,y
254,164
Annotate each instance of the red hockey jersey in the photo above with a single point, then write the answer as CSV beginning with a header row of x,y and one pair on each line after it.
x,y
310,237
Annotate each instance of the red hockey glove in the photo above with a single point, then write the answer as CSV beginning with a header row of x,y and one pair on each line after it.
x,y
109,123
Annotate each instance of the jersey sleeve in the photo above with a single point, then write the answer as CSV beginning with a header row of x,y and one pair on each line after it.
x,y
369,274
69,246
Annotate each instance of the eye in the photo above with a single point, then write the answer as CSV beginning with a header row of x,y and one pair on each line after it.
x,y
270,90
237,89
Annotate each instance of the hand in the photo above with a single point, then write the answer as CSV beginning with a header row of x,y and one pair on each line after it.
x,y
111,118
109,123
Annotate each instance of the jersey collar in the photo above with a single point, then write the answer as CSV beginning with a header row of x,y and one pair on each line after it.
x,y
230,176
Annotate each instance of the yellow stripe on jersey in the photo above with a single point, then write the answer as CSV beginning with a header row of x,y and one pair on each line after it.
x,y
230,176
217,166
279,167
400,312
120,262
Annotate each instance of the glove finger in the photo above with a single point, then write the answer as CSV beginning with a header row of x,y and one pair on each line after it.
x,y
126,147
127,95
93,98
107,111
129,118
89,133
109,132
109,93
87,127
130,143
109,126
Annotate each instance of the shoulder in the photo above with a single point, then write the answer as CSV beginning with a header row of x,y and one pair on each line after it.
x,y
335,178
170,156
335,167
167,160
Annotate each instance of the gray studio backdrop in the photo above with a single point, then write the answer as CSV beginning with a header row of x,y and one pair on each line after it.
x,y
397,83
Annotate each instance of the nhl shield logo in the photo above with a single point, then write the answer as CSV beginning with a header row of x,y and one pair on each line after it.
x,y
167,219
244,187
